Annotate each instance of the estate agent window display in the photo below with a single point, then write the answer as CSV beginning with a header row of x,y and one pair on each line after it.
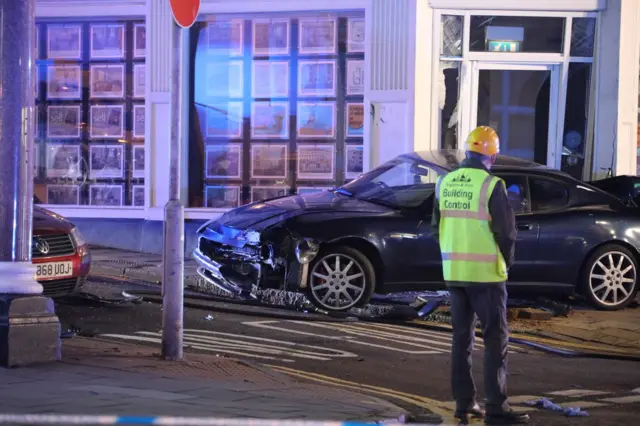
x,y
90,108
277,106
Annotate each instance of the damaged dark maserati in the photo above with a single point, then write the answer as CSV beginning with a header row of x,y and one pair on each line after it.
x,y
374,235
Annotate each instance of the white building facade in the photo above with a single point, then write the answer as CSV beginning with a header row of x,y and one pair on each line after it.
x,y
289,96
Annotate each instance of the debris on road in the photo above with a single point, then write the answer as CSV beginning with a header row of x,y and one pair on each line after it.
x,y
68,334
131,297
209,317
547,404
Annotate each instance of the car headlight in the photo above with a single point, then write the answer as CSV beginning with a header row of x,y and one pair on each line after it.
x,y
77,237
306,250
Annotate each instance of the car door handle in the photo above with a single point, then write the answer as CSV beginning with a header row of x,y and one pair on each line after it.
x,y
525,227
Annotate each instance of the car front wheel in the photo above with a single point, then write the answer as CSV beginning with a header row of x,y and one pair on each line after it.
x,y
341,278
610,277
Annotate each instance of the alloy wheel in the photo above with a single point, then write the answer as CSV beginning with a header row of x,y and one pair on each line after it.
x,y
612,278
338,281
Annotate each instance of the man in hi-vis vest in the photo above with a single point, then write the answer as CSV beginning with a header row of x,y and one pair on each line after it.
x,y
476,228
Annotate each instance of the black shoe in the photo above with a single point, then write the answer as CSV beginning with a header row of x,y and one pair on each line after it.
x,y
507,418
475,412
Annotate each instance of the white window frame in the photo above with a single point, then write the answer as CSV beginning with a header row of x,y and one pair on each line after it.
x,y
84,9
468,58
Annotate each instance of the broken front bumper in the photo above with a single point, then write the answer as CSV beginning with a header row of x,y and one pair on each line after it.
x,y
209,270
239,262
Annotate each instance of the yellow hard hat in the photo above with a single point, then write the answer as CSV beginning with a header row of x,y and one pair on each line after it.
x,y
483,140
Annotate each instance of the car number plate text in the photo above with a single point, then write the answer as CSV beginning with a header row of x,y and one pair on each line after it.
x,y
54,270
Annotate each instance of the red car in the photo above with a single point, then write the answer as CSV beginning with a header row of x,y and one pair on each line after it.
x,y
62,256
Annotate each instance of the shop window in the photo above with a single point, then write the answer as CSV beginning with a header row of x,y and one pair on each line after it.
x,y
547,195
516,34
582,37
576,118
90,113
277,106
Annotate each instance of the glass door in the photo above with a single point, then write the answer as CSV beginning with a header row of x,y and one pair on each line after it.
x,y
520,101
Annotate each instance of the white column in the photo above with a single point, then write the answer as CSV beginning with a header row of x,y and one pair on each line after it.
x,y
391,29
423,77
158,120
626,150
617,67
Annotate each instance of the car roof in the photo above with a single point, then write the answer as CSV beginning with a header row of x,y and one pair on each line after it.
x,y
450,159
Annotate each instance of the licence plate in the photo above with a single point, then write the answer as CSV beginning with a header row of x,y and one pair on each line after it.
x,y
54,270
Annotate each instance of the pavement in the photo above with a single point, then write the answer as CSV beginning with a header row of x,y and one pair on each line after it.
x,y
583,329
401,363
98,377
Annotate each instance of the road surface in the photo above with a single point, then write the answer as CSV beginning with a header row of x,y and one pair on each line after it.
x,y
407,365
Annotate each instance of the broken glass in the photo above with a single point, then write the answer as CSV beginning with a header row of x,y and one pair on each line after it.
x,y
582,37
452,29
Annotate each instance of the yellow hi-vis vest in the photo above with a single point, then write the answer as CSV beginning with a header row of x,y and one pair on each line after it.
x,y
469,250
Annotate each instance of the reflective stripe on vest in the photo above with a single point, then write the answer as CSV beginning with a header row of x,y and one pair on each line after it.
x,y
470,257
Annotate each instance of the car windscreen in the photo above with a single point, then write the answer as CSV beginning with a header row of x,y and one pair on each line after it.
x,y
399,183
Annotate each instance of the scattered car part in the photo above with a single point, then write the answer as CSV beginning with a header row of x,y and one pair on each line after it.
x,y
547,404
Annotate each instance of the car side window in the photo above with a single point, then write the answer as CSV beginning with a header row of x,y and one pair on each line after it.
x,y
547,194
516,186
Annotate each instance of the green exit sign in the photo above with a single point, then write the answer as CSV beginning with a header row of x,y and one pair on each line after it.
x,y
504,46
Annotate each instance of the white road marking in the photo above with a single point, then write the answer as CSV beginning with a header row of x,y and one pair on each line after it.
x,y
578,393
376,335
195,346
348,339
249,346
421,332
523,409
410,331
518,402
521,399
389,337
334,353
582,404
451,405
623,399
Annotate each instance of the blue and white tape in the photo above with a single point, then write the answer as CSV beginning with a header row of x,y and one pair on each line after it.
x,y
61,419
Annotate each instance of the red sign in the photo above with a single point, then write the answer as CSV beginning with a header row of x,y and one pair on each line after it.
x,y
185,12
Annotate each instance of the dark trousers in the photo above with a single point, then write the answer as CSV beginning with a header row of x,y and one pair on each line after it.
x,y
489,303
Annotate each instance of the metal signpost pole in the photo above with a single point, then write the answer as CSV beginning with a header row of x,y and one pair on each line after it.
x,y
173,254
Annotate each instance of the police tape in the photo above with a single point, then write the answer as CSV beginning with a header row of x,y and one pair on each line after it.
x,y
62,419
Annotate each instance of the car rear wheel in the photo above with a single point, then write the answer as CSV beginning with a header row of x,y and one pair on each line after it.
x,y
610,277
341,278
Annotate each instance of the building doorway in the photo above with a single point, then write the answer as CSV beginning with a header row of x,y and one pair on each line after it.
x,y
520,101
